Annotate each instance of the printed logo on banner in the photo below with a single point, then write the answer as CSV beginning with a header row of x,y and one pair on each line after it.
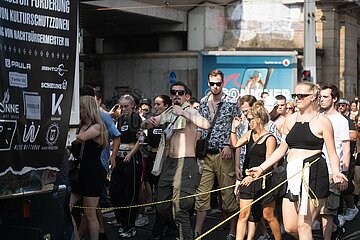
x,y
7,133
60,86
32,105
31,133
18,79
15,64
6,107
286,62
52,134
55,104
59,69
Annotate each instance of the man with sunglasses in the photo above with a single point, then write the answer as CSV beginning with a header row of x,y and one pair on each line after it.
x,y
180,175
219,161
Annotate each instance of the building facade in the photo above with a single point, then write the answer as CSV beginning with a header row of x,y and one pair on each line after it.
x,y
139,46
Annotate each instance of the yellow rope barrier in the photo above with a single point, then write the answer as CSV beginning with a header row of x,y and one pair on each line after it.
x,y
308,165
164,201
256,200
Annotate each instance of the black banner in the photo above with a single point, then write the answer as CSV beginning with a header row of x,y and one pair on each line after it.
x,y
38,41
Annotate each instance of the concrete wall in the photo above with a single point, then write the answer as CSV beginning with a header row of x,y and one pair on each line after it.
x,y
206,27
148,73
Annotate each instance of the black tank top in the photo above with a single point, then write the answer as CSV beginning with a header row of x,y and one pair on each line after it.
x,y
129,127
257,154
154,135
301,137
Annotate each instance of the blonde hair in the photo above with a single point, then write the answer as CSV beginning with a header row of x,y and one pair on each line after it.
x,y
315,89
258,111
92,114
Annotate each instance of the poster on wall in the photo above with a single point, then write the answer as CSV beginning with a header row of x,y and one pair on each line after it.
x,y
38,41
251,72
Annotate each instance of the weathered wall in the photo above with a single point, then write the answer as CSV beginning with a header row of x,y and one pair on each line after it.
x,y
206,27
264,25
149,72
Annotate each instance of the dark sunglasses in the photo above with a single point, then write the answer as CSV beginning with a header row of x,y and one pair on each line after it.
x,y
300,95
250,118
289,108
180,92
215,83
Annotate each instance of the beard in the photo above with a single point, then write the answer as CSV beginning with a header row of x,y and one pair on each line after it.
x,y
216,92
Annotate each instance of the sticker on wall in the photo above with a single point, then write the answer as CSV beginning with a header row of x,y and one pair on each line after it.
x,y
172,77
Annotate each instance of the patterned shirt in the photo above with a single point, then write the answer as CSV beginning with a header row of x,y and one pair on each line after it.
x,y
272,128
241,130
221,131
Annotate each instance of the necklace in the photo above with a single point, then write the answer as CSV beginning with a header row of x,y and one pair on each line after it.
x,y
307,120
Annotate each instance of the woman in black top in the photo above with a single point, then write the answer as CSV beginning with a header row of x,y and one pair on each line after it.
x,y
303,136
260,144
125,177
91,140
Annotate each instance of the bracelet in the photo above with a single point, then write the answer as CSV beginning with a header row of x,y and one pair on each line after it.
x,y
233,132
262,170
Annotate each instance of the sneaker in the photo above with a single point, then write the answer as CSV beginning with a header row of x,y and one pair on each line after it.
x,y
264,237
142,220
196,235
316,225
341,220
114,223
128,234
121,230
230,237
351,213
338,234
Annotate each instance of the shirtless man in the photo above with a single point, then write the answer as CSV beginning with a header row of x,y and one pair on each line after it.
x,y
180,173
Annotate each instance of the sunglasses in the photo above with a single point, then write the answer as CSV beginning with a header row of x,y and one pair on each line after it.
x,y
300,95
179,92
289,108
215,83
250,118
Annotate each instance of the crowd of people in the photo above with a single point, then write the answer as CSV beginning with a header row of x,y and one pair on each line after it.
x,y
147,147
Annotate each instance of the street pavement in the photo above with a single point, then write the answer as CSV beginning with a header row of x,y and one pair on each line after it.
x,y
352,229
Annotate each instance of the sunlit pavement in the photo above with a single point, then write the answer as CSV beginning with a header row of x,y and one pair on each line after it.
x,y
352,229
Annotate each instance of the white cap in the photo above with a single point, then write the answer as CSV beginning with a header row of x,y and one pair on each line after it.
x,y
269,103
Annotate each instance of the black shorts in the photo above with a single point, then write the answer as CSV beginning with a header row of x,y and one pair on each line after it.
x,y
254,191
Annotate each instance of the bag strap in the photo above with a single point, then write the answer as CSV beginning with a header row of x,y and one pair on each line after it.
x,y
177,116
258,140
214,120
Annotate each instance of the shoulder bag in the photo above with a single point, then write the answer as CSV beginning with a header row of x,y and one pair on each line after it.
x,y
202,143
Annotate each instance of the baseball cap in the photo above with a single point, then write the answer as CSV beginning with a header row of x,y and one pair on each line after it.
x,y
344,101
269,103
145,101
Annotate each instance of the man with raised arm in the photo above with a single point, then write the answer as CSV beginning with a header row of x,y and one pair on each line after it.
x,y
180,175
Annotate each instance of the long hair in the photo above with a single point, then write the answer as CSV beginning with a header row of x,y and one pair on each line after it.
x,y
92,115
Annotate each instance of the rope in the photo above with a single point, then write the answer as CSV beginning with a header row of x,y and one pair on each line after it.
x,y
307,165
256,200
